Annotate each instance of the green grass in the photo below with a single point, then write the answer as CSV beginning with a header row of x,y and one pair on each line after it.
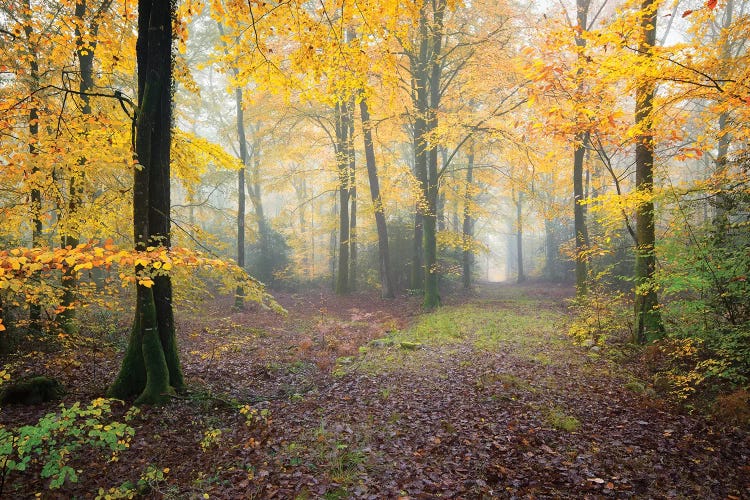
x,y
526,327
560,420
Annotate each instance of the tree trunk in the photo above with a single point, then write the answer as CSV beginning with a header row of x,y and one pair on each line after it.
x,y
265,271
342,166
519,238
648,324
723,202
386,281
579,211
308,256
468,223
353,200
550,247
151,367
431,292
420,172
441,218
332,244
70,237
35,309
239,295
580,144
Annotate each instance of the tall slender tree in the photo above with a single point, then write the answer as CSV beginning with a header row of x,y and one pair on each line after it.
x,y
647,317
384,264
580,143
468,222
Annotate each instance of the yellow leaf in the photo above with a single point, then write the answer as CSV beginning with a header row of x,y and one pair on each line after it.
x,y
147,282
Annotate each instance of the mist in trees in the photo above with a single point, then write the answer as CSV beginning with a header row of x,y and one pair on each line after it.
x,y
416,151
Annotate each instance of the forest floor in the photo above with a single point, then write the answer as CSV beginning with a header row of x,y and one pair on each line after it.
x,y
358,397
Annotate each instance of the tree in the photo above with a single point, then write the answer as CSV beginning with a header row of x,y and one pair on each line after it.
x,y
242,144
342,117
580,144
647,317
151,368
88,20
467,228
384,269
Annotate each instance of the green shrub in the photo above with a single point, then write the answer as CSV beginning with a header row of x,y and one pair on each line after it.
x,y
57,437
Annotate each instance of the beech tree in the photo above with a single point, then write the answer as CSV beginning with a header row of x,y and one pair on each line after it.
x,y
151,367
647,317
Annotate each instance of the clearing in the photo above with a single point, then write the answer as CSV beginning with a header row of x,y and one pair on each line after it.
x,y
357,397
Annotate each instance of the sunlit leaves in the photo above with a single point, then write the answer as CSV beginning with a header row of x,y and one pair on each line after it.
x,y
19,265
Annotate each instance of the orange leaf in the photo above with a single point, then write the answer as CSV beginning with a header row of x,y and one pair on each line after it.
x,y
687,13
711,4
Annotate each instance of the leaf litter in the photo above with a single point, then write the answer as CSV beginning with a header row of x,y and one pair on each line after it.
x,y
350,415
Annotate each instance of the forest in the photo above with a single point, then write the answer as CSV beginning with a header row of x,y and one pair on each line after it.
x,y
374,249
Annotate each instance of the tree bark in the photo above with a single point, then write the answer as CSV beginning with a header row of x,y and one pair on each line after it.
x,y
723,202
151,367
468,224
239,295
416,281
332,243
648,324
342,166
550,247
580,144
386,281
519,238
433,73
352,199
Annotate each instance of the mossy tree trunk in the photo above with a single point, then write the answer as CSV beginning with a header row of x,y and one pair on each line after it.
x,y
428,74
416,278
341,115
648,325
151,367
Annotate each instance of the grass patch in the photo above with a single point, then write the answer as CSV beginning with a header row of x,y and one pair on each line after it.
x,y
527,328
560,420
636,387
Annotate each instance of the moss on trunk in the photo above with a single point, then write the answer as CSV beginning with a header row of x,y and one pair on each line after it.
x,y
144,372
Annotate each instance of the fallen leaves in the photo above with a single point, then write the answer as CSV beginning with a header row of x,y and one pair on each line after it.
x,y
422,429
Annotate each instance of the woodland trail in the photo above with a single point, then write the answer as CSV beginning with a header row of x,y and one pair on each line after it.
x,y
359,397
484,398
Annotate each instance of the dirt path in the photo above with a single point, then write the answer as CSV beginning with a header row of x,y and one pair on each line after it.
x,y
488,398
484,398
